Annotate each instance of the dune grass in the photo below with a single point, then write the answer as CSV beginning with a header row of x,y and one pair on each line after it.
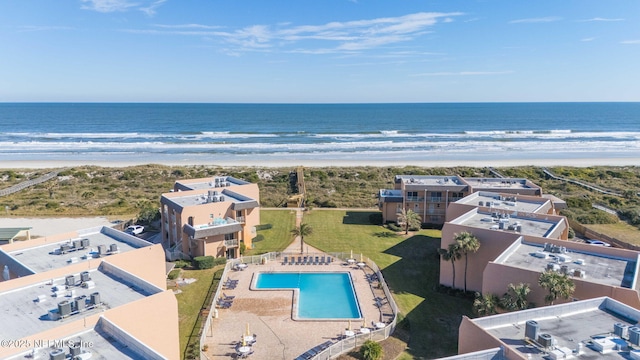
x,y
410,265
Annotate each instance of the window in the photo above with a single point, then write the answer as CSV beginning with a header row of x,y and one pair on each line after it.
x,y
412,196
230,236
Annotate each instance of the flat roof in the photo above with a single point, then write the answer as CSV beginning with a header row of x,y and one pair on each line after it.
x,y
190,199
573,326
597,268
95,341
23,314
495,200
212,182
46,257
429,180
529,224
498,183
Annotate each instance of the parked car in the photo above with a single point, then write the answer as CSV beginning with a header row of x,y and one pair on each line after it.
x,y
597,242
135,229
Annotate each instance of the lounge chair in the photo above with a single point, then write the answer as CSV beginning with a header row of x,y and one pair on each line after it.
x,y
322,260
285,261
316,260
228,297
310,260
329,260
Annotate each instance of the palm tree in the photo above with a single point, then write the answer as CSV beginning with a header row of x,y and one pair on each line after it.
x,y
558,285
467,243
451,253
485,304
410,219
516,297
302,231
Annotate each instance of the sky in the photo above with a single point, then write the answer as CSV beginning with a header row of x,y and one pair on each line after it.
x,y
319,51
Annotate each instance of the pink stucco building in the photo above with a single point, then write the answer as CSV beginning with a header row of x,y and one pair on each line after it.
x,y
209,216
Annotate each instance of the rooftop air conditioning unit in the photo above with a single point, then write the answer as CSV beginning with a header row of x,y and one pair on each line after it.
x,y
84,242
84,276
553,266
545,340
634,335
80,303
221,198
95,298
64,308
621,330
531,329
57,354
579,273
74,349
70,280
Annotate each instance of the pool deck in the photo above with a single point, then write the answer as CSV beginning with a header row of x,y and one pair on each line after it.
x,y
269,314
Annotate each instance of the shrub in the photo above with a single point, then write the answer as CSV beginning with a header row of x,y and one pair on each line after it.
x,y
263,227
260,237
371,350
173,274
243,248
219,261
179,264
204,262
393,227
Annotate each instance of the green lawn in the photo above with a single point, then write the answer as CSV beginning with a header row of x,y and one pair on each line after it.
x,y
620,230
279,236
192,299
411,267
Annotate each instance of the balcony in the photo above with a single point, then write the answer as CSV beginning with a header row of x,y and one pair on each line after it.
x,y
231,243
435,199
414,199
218,226
240,219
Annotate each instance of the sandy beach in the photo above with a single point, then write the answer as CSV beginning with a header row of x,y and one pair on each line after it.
x,y
273,163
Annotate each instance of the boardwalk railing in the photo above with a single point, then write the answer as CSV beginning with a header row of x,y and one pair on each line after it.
x,y
337,348
25,184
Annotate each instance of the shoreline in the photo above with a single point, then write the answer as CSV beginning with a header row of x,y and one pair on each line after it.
x,y
319,163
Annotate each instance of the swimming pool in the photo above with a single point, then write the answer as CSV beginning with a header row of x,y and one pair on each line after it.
x,y
327,295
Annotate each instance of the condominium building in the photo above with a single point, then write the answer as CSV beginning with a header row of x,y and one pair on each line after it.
x,y
520,238
209,216
598,328
97,293
429,196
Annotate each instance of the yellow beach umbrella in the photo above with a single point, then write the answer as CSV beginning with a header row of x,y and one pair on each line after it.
x,y
361,258
351,256
244,342
248,332
364,322
349,328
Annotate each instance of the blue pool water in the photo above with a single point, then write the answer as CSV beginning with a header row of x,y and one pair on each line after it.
x,y
320,296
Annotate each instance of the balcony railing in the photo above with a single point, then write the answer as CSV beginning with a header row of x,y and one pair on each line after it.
x,y
240,219
231,243
414,198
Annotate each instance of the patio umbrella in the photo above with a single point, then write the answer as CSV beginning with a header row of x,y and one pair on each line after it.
x,y
244,342
349,328
364,322
351,256
361,258
248,333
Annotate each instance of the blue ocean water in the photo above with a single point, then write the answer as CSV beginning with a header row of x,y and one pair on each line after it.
x,y
261,133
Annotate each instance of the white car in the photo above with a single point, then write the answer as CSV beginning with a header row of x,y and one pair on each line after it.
x,y
135,229
597,242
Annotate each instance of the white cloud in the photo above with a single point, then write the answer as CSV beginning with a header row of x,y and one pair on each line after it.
x,y
465,73
630,42
601,19
536,20
151,9
348,36
106,6
588,39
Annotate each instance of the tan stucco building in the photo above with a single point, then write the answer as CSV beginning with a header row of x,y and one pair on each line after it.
x,y
96,293
209,216
429,196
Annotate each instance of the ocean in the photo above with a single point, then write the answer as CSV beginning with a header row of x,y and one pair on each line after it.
x,y
327,133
